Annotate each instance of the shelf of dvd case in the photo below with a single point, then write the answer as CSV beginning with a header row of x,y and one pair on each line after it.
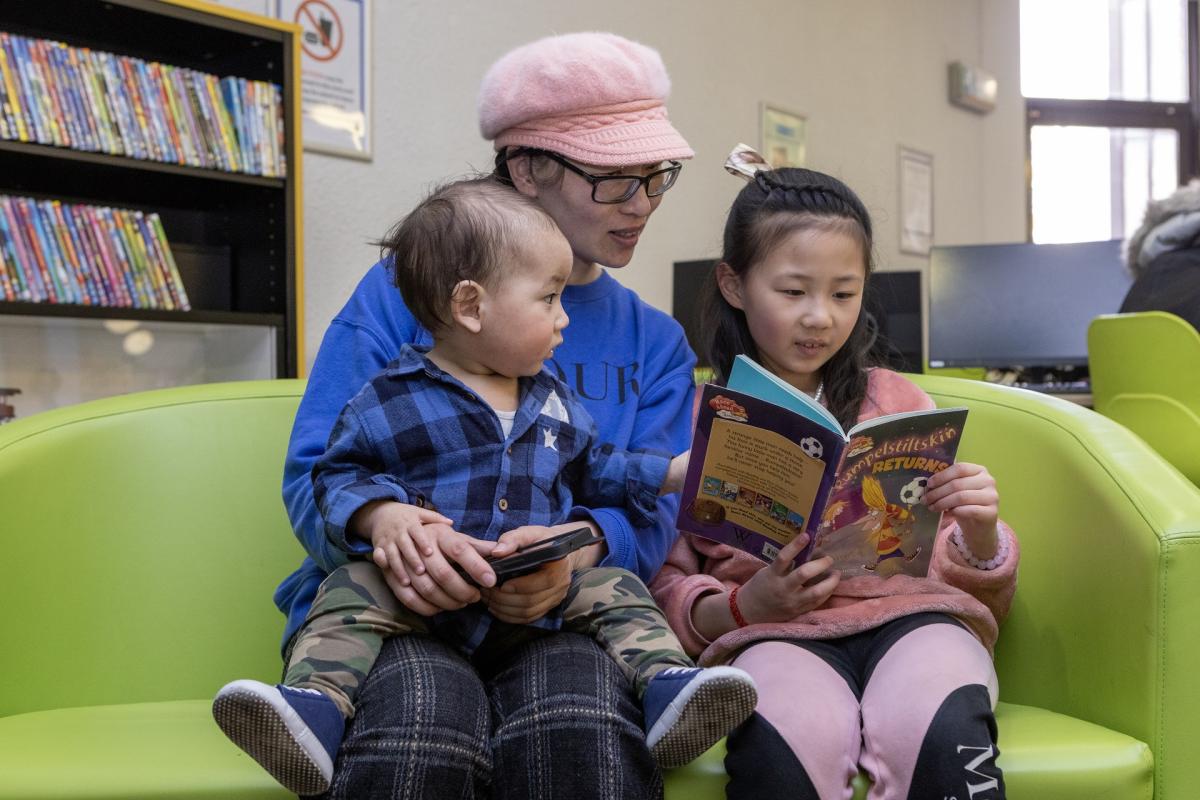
x,y
65,310
115,162
93,100
234,235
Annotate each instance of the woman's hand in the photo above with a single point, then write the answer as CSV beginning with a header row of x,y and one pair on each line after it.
x,y
968,493
779,592
530,597
440,586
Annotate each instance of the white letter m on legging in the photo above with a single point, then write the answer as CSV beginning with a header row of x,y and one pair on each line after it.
x,y
989,782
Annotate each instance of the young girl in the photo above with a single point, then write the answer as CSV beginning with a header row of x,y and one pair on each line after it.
x,y
893,676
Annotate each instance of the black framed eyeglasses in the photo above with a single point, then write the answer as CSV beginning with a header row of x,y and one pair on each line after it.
x,y
612,189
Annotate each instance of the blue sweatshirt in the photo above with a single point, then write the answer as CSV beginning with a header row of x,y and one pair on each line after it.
x,y
626,361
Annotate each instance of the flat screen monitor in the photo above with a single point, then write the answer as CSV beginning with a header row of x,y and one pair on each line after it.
x,y
1020,305
687,296
894,299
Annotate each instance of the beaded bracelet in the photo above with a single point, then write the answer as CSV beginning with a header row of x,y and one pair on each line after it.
x,y
733,608
978,563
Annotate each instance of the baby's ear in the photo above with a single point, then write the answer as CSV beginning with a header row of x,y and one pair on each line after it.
x,y
466,303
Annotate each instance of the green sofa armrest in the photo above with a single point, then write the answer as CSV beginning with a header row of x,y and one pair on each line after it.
x,y
144,535
1104,626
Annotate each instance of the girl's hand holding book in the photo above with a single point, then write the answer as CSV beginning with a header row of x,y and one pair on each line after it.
x,y
779,592
968,493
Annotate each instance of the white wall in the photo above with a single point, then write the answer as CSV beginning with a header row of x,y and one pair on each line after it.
x,y
868,74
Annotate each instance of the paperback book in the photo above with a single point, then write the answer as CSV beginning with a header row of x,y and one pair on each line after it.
x,y
769,462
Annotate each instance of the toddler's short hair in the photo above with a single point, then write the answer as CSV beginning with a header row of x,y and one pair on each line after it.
x,y
463,230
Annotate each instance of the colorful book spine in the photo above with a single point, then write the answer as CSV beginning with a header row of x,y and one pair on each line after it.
x,y
175,115
154,110
47,102
187,114
127,88
99,239
55,291
93,112
12,107
119,101
141,298
62,107
8,290
154,78
229,95
33,277
168,258
69,291
17,60
77,92
110,135
89,260
132,239
24,291
70,243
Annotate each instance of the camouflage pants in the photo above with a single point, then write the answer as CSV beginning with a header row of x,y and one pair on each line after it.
x,y
354,611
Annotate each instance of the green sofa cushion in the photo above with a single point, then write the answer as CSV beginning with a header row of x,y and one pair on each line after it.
x,y
1044,755
173,750
137,751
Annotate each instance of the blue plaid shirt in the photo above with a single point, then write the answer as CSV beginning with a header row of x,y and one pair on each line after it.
x,y
415,434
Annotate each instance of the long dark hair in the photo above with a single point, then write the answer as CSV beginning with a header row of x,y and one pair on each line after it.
x,y
771,207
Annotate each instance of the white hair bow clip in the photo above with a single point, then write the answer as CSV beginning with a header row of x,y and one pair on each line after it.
x,y
745,162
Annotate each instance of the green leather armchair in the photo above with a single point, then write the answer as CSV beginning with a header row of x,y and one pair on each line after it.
x,y
144,534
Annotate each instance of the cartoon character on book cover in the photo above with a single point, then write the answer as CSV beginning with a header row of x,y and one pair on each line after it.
x,y
875,522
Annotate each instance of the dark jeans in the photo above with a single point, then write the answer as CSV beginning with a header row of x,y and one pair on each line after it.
x,y
550,718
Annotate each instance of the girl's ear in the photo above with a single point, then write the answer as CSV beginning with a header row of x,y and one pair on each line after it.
x,y
730,284
520,172
466,305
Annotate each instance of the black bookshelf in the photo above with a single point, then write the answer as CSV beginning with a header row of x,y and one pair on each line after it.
x,y
234,234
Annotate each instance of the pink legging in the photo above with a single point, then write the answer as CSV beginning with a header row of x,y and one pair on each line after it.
x,y
905,716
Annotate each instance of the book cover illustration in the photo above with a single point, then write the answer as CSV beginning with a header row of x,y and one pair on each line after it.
x,y
768,462
875,521
756,473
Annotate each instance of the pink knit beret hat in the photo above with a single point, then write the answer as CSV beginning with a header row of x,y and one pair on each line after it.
x,y
597,98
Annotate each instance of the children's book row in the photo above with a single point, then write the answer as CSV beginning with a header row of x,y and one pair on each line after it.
x,y
54,94
54,252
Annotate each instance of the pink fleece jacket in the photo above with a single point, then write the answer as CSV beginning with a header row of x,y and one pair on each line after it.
x,y
980,599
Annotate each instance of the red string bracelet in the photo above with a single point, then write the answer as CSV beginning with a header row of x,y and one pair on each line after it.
x,y
733,608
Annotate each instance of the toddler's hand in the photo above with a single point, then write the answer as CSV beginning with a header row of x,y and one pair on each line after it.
x,y
778,592
440,586
396,530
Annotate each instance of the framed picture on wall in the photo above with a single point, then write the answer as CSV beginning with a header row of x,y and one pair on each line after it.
x,y
335,45
916,201
784,140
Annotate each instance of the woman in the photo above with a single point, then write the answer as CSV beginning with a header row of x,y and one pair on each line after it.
x,y
579,124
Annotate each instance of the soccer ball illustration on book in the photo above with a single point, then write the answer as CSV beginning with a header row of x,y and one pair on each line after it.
x,y
912,492
812,447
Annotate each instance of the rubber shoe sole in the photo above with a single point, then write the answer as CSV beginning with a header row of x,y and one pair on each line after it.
x,y
700,717
273,734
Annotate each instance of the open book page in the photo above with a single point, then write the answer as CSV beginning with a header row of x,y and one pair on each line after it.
x,y
751,378
874,521
758,473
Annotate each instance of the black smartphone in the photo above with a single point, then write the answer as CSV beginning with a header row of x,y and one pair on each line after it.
x,y
530,557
